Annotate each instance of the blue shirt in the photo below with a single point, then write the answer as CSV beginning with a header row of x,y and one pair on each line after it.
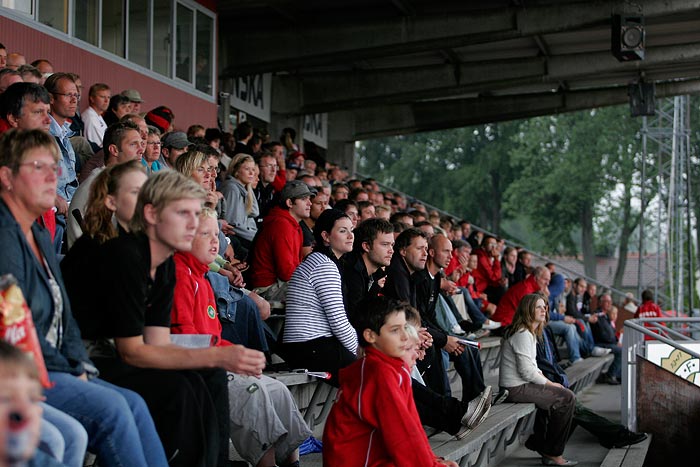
x,y
67,180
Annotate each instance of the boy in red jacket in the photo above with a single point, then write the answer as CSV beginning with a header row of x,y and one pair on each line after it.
x,y
374,421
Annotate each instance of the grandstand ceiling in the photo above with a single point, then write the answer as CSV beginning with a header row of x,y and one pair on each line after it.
x,y
383,67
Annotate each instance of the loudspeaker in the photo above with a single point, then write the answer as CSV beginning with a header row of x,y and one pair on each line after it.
x,y
628,37
642,99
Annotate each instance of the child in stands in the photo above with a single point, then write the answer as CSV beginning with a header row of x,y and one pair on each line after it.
x,y
374,421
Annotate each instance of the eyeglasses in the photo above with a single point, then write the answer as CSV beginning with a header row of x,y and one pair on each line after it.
x,y
43,168
154,143
271,166
70,95
214,169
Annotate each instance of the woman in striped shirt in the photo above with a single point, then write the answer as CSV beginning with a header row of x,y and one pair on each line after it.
x,y
317,334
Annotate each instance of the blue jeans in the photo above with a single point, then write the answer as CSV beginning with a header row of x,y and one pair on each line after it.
x,y
573,340
120,429
63,437
478,318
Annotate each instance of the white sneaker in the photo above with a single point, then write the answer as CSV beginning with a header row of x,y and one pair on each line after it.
x,y
490,325
600,351
457,329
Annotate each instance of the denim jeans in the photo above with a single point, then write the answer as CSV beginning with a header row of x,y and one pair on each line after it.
x,y
63,437
573,340
475,313
120,429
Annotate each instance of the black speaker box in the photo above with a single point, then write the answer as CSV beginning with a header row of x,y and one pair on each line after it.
x,y
642,99
628,37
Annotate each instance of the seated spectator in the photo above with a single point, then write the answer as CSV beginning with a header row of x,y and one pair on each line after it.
x,y
135,100
402,216
45,67
30,74
364,268
122,144
142,356
266,428
383,211
265,190
610,434
213,137
196,131
358,194
162,118
578,307
8,77
243,133
526,383
124,433
605,337
95,126
277,250
523,267
374,421
193,164
536,282
319,203
317,334
349,208
15,60
508,265
241,205
444,413
366,210
152,152
172,146
488,270
648,309
20,401
339,191
118,107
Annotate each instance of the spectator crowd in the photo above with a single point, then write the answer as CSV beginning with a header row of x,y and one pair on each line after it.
x,y
152,258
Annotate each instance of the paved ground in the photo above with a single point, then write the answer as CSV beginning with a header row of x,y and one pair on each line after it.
x,y
583,447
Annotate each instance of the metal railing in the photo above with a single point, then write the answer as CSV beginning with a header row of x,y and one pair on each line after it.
x,y
633,344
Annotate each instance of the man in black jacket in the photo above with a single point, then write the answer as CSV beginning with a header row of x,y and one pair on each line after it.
x,y
364,269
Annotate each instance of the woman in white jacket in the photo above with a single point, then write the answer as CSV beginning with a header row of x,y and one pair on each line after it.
x,y
526,383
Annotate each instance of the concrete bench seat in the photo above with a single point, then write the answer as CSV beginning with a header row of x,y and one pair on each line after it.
x,y
314,398
489,442
629,456
584,374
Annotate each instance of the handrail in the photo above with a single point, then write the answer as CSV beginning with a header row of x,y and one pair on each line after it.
x,y
634,344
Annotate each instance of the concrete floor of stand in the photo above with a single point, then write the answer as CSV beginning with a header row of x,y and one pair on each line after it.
x,y
582,446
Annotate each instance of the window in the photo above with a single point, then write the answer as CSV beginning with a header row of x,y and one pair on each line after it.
x,y
162,37
205,40
25,6
183,44
53,13
113,26
86,21
174,38
139,48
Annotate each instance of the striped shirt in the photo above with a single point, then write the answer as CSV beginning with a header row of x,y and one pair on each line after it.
x,y
315,304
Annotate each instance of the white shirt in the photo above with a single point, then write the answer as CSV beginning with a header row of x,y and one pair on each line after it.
x,y
95,126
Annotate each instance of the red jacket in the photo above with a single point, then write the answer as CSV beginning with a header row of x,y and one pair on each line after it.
x,y
487,272
277,250
374,422
194,305
649,309
509,302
